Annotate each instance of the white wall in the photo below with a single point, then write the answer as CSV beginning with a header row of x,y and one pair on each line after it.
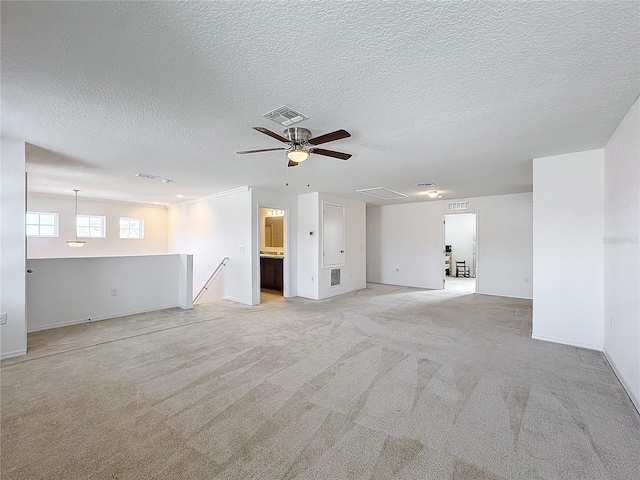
x,y
65,291
213,228
308,245
622,252
13,335
353,274
459,233
314,281
288,203
568,196
405,245
155,227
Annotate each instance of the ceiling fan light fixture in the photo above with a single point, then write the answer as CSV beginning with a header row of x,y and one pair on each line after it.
x,y
76,243
432,194
297,155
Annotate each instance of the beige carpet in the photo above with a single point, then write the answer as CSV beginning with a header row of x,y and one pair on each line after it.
x,y
385,383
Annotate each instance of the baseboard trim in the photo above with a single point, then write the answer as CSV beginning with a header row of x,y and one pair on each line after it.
x,y
343,292
566,342
503,295
98,318
237,300
623,382
15,353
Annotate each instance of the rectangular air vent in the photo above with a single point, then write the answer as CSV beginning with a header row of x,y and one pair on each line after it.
x,y
147,175
459,206
335,277
382,192
285,116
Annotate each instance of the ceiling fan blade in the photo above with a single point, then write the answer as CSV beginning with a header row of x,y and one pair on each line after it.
x,y
331,153
329,137
262,150
271,134
292,164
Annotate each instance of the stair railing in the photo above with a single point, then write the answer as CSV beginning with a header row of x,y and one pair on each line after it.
x,y
206,285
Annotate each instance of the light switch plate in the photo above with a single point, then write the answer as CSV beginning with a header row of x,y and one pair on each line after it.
x,y
3,318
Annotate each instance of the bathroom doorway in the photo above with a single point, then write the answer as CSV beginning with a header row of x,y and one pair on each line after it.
x,y
459,233
272,253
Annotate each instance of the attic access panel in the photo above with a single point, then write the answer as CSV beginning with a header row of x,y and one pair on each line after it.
x,y
382,192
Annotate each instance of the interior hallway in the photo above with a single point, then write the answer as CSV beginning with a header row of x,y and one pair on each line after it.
x,y
387,382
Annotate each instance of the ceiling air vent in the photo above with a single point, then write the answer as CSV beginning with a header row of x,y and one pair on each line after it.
x,y
147,175
285,116
382,192
459,205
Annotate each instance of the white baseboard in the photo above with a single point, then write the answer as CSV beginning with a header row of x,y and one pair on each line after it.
x,y
15,353
342,292
98,318
597,348
625,385
237,300
503,295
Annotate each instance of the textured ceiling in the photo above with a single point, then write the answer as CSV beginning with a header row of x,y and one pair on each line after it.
x,y
463,94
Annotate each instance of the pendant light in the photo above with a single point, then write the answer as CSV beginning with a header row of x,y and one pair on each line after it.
x,y
76,243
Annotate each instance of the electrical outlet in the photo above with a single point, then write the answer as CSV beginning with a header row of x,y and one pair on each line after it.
x,y
242,248
114,292
526,279
3,318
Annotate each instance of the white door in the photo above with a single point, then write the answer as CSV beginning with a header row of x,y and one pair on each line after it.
x,y
332,235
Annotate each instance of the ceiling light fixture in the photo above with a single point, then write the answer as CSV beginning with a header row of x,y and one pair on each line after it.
x,y
76,243
432,194
180,196
297,155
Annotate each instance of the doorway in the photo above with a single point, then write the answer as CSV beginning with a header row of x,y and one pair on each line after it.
x,y
272,253
459,233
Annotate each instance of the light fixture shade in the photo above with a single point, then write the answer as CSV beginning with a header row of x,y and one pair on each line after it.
x,y
297,155
432,194
76,243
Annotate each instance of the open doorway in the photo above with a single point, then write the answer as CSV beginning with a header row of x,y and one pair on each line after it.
x,y
272,249
459,232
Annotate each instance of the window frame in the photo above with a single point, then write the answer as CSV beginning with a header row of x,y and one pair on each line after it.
x,y
56,224
141,229
103,225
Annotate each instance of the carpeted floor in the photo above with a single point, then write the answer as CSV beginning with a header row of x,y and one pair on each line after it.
x,y
388,382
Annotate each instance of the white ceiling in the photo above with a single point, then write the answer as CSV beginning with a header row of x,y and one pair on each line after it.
x,y
460,94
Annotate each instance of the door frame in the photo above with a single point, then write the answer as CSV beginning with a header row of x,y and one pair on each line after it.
x,y
286,280
476,253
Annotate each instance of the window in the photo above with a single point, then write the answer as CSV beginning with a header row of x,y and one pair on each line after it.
x,y
131,227
93,226
42,224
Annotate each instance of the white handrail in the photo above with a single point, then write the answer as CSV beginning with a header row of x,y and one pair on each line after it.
x,y
206,285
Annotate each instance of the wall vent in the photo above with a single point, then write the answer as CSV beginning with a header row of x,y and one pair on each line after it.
x,y
459,205
285,116
335,277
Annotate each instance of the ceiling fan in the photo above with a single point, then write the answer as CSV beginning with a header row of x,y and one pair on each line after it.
x,y
301,144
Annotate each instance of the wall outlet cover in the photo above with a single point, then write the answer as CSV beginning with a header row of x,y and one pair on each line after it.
x,y
3,318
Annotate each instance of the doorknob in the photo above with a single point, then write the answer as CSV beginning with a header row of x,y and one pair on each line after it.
x,y
29,270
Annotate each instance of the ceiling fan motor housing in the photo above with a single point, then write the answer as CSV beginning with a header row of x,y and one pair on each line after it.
x,y
297,135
